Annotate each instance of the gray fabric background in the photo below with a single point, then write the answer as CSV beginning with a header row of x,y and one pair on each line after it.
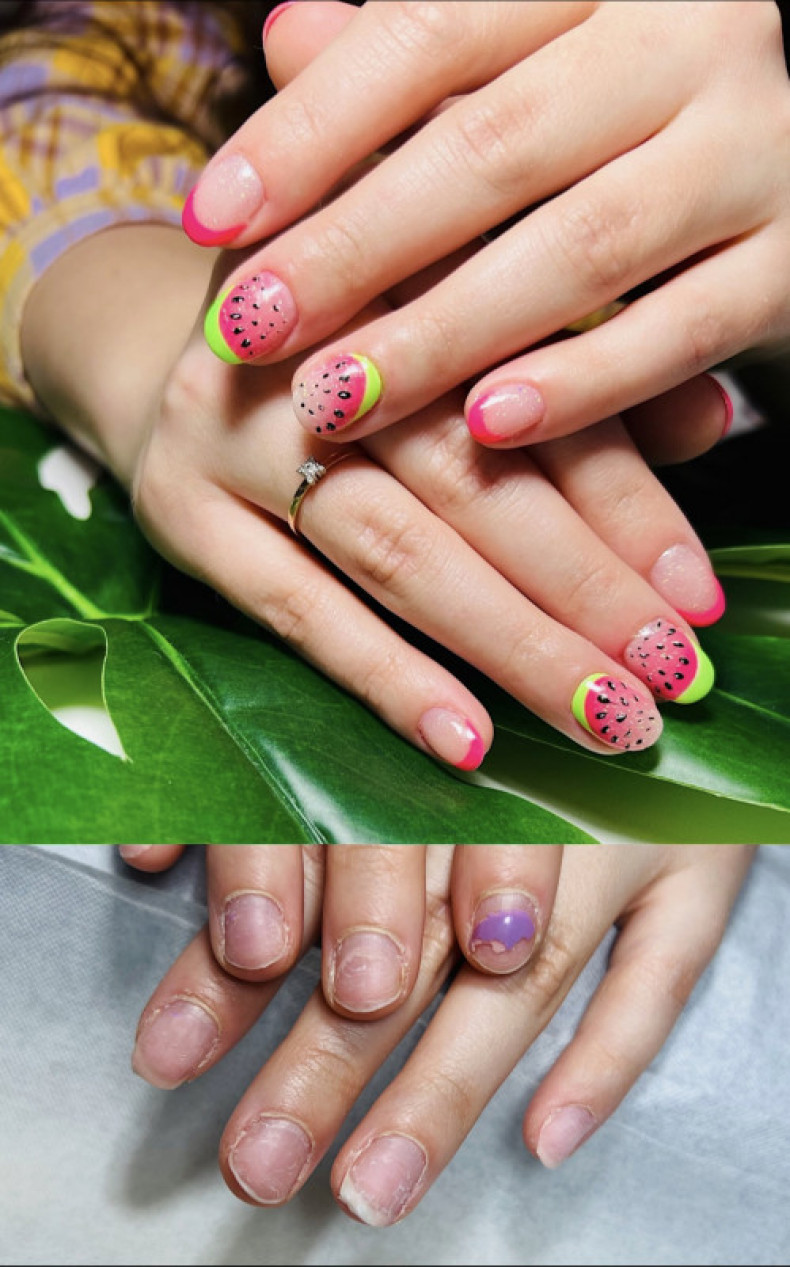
x,y
96,1167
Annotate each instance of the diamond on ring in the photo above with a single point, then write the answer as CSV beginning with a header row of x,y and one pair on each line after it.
x,y
311,470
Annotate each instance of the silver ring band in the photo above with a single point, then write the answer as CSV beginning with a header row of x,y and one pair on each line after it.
x,y
311,472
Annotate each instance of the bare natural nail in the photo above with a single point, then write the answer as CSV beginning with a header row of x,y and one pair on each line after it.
x,y
270,1157
130,853
255,931
368,971
175,1043
383,1179
563,1132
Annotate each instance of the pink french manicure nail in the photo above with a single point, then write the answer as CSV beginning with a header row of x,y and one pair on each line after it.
x,y
175,1043
562,1133
687,581
505,411
276,12
729,411
452,738
383,1179
223,201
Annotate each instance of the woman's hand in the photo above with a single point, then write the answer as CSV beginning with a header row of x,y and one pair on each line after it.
x,y
373,914
670,905
653,141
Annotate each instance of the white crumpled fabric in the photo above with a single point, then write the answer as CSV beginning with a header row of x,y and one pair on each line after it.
x,y
96,1167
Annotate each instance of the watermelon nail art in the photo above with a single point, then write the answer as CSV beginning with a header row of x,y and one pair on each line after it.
x,y
334,393
615,713
670,662
250,320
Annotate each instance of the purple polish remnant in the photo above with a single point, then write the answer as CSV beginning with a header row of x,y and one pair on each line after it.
x,y
506,927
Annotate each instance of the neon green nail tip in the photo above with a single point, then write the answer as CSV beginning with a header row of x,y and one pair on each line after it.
x,y
579,701
703,680
373,386
213,335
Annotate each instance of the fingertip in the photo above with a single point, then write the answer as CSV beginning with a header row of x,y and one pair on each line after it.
x,y
151,858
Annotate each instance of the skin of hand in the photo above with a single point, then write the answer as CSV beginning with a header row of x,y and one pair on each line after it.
x,y
676,183
670,906
435,532
373,914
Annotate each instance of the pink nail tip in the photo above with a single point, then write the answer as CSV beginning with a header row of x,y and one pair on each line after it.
x,y
199,233
257,316
710,616
505,411
276,12
729,410
475,754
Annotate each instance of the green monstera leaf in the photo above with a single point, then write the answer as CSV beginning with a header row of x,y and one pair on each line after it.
x,y
218,733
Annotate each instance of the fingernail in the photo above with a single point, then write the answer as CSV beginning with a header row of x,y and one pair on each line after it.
x,y
671,663
255,933
687,581
225,198
505,411
273,16
175,1043
562,1133
451,738
251,319
728,406
383,1179
269,1159
504,931
334,393
615,713
368,971
130,853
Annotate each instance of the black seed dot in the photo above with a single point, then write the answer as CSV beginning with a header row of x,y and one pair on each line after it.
x,y
276,307
235,316
256,306
238,329
679,677
254,322
620,717
660,646
271,325
683,659
245,343
604,699
311,413
604,730
601,716
345,378
339,413
319,430
330,426
344,395
325,376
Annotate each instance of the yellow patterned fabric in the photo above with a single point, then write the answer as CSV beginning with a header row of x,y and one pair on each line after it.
x,y
109,110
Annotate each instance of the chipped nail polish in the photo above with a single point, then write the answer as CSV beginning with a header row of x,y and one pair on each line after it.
x,y
223,201
334,393
250,319
452,738
504,931
505,411
671,663
615,713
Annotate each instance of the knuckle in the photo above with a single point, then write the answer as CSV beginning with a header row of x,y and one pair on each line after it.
x,y
450,1089
430,28
591,583
673,974
488,138
292,614
389,549
594,239
458,471
333,1061
704,335
338,249
377,681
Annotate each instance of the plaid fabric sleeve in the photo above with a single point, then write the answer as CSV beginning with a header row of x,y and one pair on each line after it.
x,y
108,111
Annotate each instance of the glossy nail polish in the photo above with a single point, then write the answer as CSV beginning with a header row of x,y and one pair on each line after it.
x,y
251,319
225,198
687,581
505,411
669,662
615,713
729,411
451,738
504,931
332,394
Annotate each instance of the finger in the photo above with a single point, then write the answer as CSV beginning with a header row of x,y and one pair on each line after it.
x,y
400,60
502,901
578,573
199,1012
255,907
151,857
294,1109
374,910
664,946
689,324
600,472
574,254
479,1033
683,423
293,35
